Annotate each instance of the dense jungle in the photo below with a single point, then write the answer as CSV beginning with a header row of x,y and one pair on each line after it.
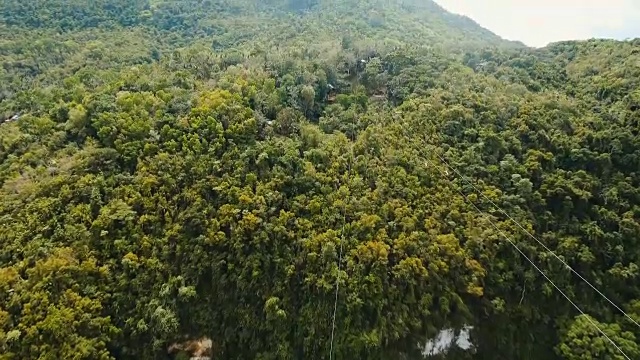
x,y
172,170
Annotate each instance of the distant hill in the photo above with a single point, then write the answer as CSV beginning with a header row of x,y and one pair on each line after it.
x,y
424,22
139,31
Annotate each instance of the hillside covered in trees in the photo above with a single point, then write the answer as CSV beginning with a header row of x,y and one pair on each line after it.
x,y
175,170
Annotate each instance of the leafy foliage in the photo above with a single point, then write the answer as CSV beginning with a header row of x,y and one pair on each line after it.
x,y
188,169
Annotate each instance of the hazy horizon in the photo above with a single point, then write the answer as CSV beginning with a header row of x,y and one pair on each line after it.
x,y
537,23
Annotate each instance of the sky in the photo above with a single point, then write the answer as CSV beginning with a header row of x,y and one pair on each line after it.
x,y
539,22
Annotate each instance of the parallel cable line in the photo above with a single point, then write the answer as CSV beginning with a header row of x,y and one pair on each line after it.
x,y
537,268
538,241
443,160
444,176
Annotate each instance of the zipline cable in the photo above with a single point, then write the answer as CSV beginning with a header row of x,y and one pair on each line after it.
x,y
511,242
536,267
537,240
344,222
444,176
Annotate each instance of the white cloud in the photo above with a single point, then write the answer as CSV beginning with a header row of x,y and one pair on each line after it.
x,y
538,22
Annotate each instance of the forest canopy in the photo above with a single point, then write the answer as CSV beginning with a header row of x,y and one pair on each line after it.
x,y
179,170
